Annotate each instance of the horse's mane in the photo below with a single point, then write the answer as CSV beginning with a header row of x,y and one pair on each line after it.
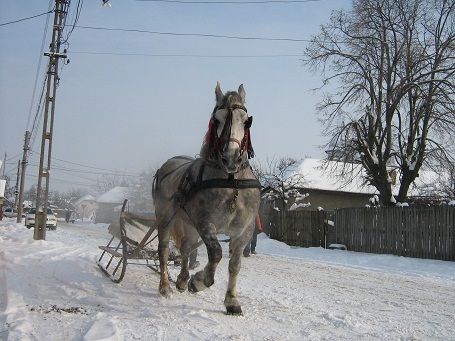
x,y
205,150
230,98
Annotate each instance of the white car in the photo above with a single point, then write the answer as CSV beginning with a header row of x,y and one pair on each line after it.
x,y
51,219
10,212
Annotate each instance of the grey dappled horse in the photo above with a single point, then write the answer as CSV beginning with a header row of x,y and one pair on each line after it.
x,y
214,194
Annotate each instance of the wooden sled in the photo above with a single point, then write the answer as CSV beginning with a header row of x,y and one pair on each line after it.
x,y
134,241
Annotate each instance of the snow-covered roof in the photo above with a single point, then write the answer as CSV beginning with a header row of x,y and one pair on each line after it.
x,y
317,176
27,204
87,197
115,195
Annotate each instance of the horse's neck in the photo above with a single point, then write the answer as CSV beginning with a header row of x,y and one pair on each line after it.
x,y
245,171
213,170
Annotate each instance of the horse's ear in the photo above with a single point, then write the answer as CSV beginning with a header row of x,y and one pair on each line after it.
x,y
242,93
219,94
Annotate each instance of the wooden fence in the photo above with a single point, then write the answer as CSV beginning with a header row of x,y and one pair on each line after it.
x,y
302,228
419,232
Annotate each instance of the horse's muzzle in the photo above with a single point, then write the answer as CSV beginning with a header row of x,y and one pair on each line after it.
x,y
232,161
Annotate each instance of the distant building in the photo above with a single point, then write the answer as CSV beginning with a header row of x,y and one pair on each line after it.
x,y
109,201
86,207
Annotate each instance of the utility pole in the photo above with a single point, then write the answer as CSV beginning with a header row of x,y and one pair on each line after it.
x,y
22,184
16,188
60,12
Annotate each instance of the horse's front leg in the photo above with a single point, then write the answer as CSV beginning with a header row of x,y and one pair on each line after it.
x,y
205,278
230,301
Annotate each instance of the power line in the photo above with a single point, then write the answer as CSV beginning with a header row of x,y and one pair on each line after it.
x,y
185,55
19,20
39,112
79,174
258,2
38,70
75,20
193,34
64,181
109,171
90,167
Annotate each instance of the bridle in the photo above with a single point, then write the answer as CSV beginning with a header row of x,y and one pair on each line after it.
x,y
220,143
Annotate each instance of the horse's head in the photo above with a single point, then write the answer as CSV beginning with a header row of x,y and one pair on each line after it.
x,y
228,139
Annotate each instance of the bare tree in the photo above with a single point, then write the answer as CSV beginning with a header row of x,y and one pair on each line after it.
x,y
108,182
141,195
140,185
281,182
393,107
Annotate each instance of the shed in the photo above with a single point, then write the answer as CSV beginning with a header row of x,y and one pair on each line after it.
x,y
108,202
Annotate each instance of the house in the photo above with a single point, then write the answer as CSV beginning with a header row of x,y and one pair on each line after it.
x,y
86,207
109,201
327,190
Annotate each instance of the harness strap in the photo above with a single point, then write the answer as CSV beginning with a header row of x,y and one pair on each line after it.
x,y
189,187
227,183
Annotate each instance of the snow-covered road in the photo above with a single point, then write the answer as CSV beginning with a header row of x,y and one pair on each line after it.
x,y
53,290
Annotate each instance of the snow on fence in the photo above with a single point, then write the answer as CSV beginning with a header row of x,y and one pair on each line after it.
x,y
418,232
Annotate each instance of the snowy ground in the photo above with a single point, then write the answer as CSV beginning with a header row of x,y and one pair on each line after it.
x,y
53,290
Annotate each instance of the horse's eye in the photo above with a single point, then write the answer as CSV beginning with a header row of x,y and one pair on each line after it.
x,y
217,121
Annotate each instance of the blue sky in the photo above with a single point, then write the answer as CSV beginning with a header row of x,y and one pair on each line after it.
x,y
127,100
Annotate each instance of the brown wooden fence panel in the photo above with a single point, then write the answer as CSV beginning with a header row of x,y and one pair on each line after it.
x,y
296,228
421,232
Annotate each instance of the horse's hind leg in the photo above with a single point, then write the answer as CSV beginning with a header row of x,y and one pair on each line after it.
x,y
184,245
205,278
163,254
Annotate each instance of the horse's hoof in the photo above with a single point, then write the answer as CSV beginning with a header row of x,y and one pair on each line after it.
x,y
166,292
181,285
235,310
191,286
